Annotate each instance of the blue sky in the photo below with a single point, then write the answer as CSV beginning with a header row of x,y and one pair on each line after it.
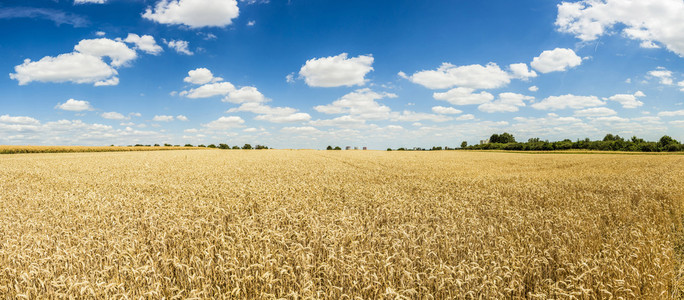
x,y
307,74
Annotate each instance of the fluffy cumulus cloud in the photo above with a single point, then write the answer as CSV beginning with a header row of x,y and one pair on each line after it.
x,y
675,113
112,115
180,46
463,96
27,130
272,114
663,74
595,112
533,88
194,13
556,60
224,123
470,76
247,94
507,102
74,67
163,118
520,71
651,22
361,103
145,43
74,105
117,51
681,85
201,76
568,101
333,71
628,100
86,64
445,110
209,90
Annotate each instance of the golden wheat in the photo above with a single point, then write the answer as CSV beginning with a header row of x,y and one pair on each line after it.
x,y
340,225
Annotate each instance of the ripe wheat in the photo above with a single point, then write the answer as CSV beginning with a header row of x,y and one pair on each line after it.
x,y
340,225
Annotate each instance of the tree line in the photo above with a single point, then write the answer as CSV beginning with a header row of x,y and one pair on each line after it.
x,y
610,142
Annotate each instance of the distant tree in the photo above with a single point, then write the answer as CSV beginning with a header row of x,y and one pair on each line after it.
x,y
236,147
534,140
201,145
337,148
502,138
247,147
389,149
211,146
189,145
167,145
224,146
329,148
260,147
464,144
138,145
436,148
156,145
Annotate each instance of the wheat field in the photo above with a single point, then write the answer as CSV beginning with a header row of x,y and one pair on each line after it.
x,y
340,225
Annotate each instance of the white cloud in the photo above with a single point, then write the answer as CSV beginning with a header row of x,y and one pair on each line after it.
x,y
162,118
75,67
627,100
181,118
180,46
117,51
145,43
647,21
272,114
411,116
7,119
300,130
595,112
663,74
676,113
194,13
113,115
445,110
507,102
223,123
337,70
201,76
470,76
209,90
100,33
559,59
533,88
134,114
361,103
245,94
568,101
681,85
465,117
341,122
290,78
74,105
521,71
463,96
251,23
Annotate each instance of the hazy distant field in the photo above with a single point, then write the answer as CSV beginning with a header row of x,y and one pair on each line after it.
x,y
340,224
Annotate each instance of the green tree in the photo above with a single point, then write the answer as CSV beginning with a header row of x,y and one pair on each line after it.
x,y
247,147
329,148
464,144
